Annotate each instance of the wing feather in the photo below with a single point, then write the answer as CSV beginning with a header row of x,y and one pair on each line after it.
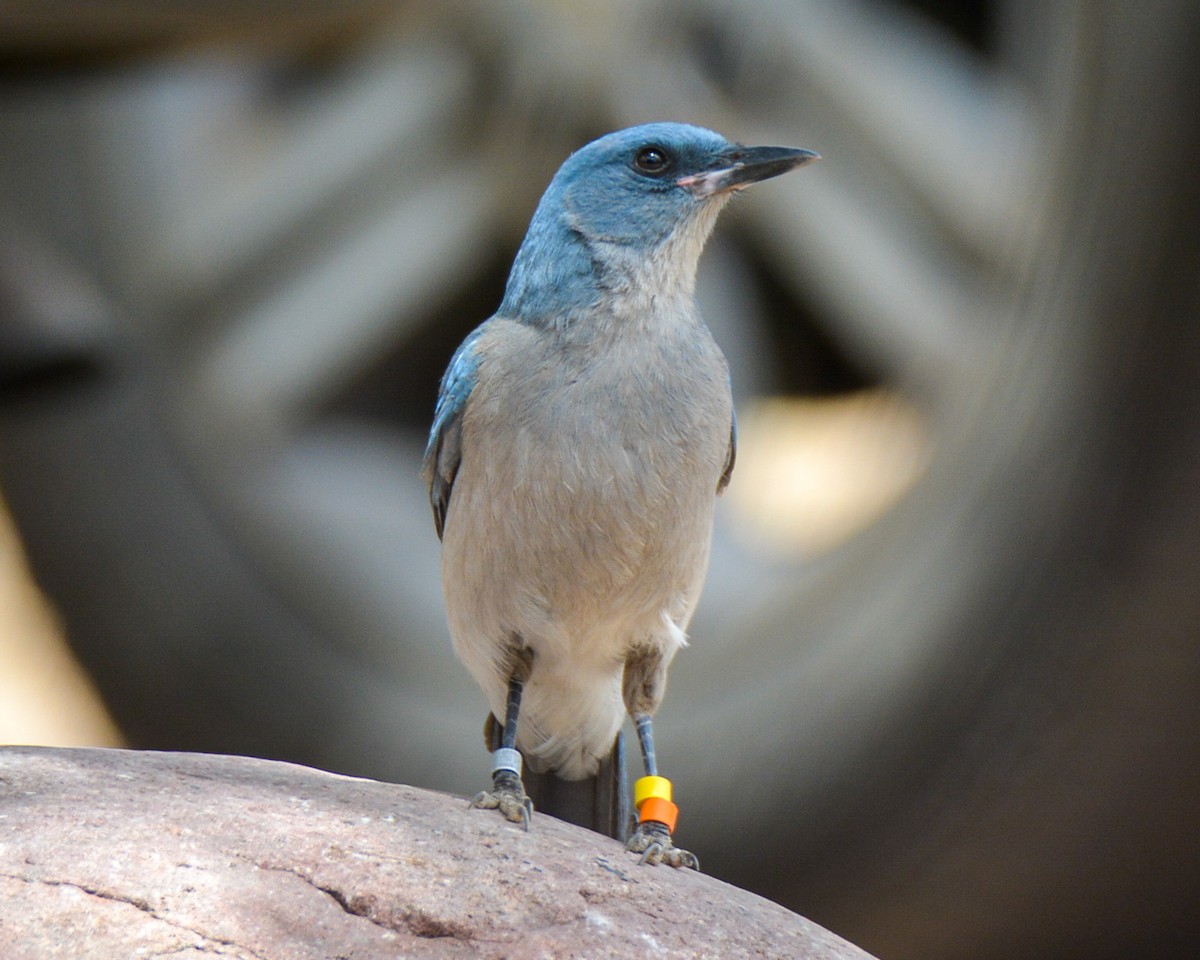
x,y
443,452
730,456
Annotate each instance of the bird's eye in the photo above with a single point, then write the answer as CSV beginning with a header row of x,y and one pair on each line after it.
x,y
652,160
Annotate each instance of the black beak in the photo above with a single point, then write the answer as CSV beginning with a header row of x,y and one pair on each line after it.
x,y
743,166
752,164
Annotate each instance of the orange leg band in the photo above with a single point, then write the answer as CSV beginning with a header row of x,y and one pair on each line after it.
x,y
660,811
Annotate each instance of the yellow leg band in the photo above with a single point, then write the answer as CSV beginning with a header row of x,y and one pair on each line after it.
x,y
646,787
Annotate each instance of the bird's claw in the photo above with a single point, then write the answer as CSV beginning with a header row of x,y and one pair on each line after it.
x,y
654,843
510,801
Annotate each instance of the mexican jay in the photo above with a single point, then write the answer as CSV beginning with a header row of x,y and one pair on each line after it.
x,y
580,439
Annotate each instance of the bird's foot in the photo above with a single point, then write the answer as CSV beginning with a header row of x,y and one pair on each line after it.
x,y
653,841
508,796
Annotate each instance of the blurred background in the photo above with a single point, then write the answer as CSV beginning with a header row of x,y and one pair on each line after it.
x,y
942,694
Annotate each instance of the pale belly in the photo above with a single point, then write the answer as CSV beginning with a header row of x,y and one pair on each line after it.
x,y
580,531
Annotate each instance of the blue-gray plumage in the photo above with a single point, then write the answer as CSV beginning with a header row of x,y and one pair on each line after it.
x,y
580,439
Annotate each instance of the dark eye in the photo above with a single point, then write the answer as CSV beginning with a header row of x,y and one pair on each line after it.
x,y
652,160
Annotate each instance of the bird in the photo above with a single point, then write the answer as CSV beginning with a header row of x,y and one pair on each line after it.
x,y
580,438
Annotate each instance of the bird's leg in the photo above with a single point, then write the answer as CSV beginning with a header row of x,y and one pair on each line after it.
x,y
508,793
645,680
656,813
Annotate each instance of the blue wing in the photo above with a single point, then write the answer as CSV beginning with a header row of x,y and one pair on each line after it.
x,y
443,452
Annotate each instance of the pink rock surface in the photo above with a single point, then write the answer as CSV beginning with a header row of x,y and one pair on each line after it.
x,y
122,854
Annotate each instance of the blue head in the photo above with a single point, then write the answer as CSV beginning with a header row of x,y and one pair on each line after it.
x,y
632,209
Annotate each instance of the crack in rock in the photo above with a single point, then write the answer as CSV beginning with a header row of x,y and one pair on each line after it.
x,y
144,907
413,921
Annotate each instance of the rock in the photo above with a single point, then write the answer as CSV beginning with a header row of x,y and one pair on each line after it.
x,y
122,854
